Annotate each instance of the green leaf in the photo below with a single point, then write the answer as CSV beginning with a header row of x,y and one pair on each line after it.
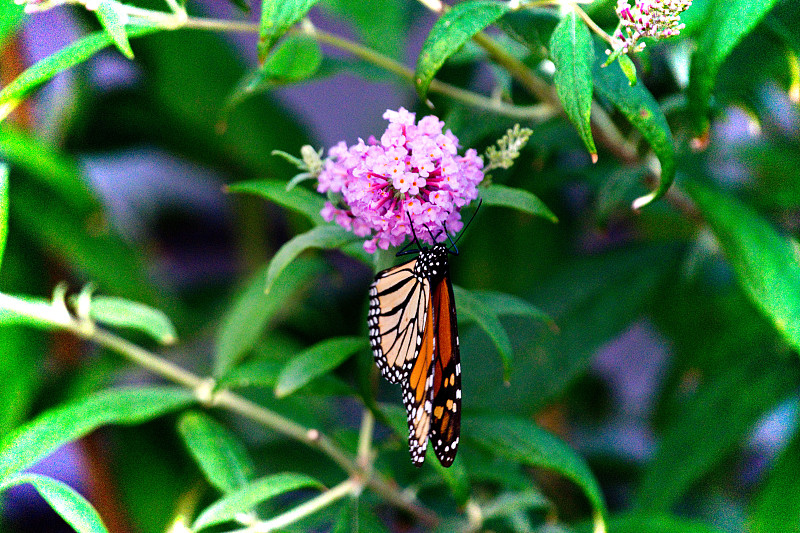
x,y
64,500
486,318
122,313
252,311
654,523
277,16
220,455
459,24
298,199
324,237
69,56
732,21
765,263
778,497
508,503
520,440
644,113
385,33
509,305
316,361
11,15
109,16
247,497
572,50
3,208
519,199
294,59
455,476
38,438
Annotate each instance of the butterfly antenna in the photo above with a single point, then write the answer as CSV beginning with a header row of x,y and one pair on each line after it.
x,y
403,251
468,223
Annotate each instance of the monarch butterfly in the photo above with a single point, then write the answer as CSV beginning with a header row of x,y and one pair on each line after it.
x,y
413,332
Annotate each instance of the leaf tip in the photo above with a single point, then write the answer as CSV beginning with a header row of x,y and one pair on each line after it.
x,y
594,157
642,201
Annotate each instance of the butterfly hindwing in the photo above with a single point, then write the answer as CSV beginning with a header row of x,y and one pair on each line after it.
x,y
398,307
446,393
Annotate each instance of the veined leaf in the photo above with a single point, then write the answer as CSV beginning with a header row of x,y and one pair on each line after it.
x,y
644,113
765,263
252,311
64,500
325,237
220,455
69,56
522,441
3,208
519,199
732,21
36,439
316,361
450,32
123,313
247,497
277,16
572,50
486,318
298,199
112,22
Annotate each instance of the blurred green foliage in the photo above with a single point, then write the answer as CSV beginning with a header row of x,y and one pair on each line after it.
x,y
672,438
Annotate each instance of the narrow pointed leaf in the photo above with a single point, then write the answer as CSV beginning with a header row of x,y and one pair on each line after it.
x,y
252,311
644,113
112,22
572,50
519,199
316,361
220,455
119,312
450,32
277,16
64,500
38,438
3,208
321,237
732,21
520,440
247,497
298,199
654,523
765,263
69,56
28,311
485,318
510,305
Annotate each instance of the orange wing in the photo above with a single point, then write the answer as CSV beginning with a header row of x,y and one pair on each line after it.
x,y
446,407
418,391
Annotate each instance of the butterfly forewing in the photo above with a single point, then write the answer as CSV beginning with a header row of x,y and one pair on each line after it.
x,y
398,307
417,393
446,393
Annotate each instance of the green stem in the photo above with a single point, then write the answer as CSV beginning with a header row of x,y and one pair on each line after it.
x,y
56,316
305,509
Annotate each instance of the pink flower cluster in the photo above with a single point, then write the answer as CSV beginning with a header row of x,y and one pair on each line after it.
x,y
412,175
648,18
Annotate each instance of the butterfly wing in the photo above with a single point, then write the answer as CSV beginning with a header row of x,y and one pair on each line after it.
x,y
418,392
446,404
398,308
